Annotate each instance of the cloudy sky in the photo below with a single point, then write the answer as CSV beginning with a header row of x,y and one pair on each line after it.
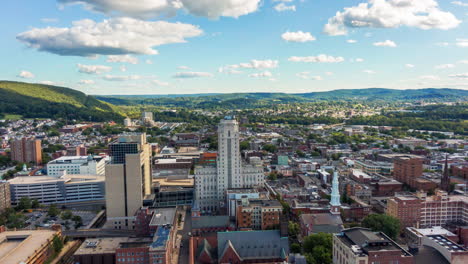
x,y
222,46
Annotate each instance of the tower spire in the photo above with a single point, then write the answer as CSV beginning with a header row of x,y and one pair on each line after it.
x,y
445,182
335,195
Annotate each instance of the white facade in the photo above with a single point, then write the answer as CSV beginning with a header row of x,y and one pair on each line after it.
x,y
211,183
86,165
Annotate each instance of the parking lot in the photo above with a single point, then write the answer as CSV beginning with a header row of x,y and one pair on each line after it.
x,y
41,219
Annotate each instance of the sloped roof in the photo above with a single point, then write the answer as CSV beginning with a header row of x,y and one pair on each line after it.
x,y
205,248
254,244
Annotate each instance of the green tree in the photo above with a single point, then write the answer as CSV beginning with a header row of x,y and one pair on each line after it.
x,y
78,221
273,176
53,211
383,223
66,215
270,148
57,244
295,248
244,145
318,248
35,204
293,229
300,153
24,203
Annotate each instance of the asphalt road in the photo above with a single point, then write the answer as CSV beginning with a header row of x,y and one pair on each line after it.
x,y
5,171
184,251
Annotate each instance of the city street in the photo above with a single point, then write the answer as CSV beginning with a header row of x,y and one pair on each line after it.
x,y
184,251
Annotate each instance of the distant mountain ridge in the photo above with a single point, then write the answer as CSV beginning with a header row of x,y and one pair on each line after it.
x,y
244,99
33,100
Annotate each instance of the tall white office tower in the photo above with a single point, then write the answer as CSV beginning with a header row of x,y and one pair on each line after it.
x,y
212,181
228,160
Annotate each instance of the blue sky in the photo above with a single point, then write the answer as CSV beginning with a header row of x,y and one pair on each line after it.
x,y
222,46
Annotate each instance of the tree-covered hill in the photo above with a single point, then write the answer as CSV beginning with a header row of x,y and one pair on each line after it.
x,y
32,100
252,100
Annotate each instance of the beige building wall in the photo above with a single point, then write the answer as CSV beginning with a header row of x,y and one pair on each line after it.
x,y
115,196
137,171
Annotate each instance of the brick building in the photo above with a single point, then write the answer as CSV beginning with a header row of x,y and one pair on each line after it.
x,y
407,168
27,150
437,210
5,196
406,208
258,214
360,245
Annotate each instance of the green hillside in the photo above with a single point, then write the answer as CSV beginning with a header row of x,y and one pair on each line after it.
x,y
252,100
32,100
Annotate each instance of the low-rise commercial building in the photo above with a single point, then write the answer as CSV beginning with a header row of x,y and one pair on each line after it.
x,y
27,246
258,214
360,245
92,165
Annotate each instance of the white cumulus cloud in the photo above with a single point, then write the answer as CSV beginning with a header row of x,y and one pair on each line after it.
x,y
160,83
359,60
386,43
265,74
253,64
459,76
146,9
459,3
430,77
115,36
368,71
283,7
462,43
148,61
122,58
444,66
320,58
185,75
352,41
47,82
297,36
423,14
121,78
86,82
93,69
25,75
408,65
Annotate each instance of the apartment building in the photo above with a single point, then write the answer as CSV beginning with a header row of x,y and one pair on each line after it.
x,y
27,150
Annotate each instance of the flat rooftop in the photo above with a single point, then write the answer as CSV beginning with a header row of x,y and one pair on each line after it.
x,y
75,159
176,182
18,246
436,230
160,239
163,216
444,242
69,178
100,245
